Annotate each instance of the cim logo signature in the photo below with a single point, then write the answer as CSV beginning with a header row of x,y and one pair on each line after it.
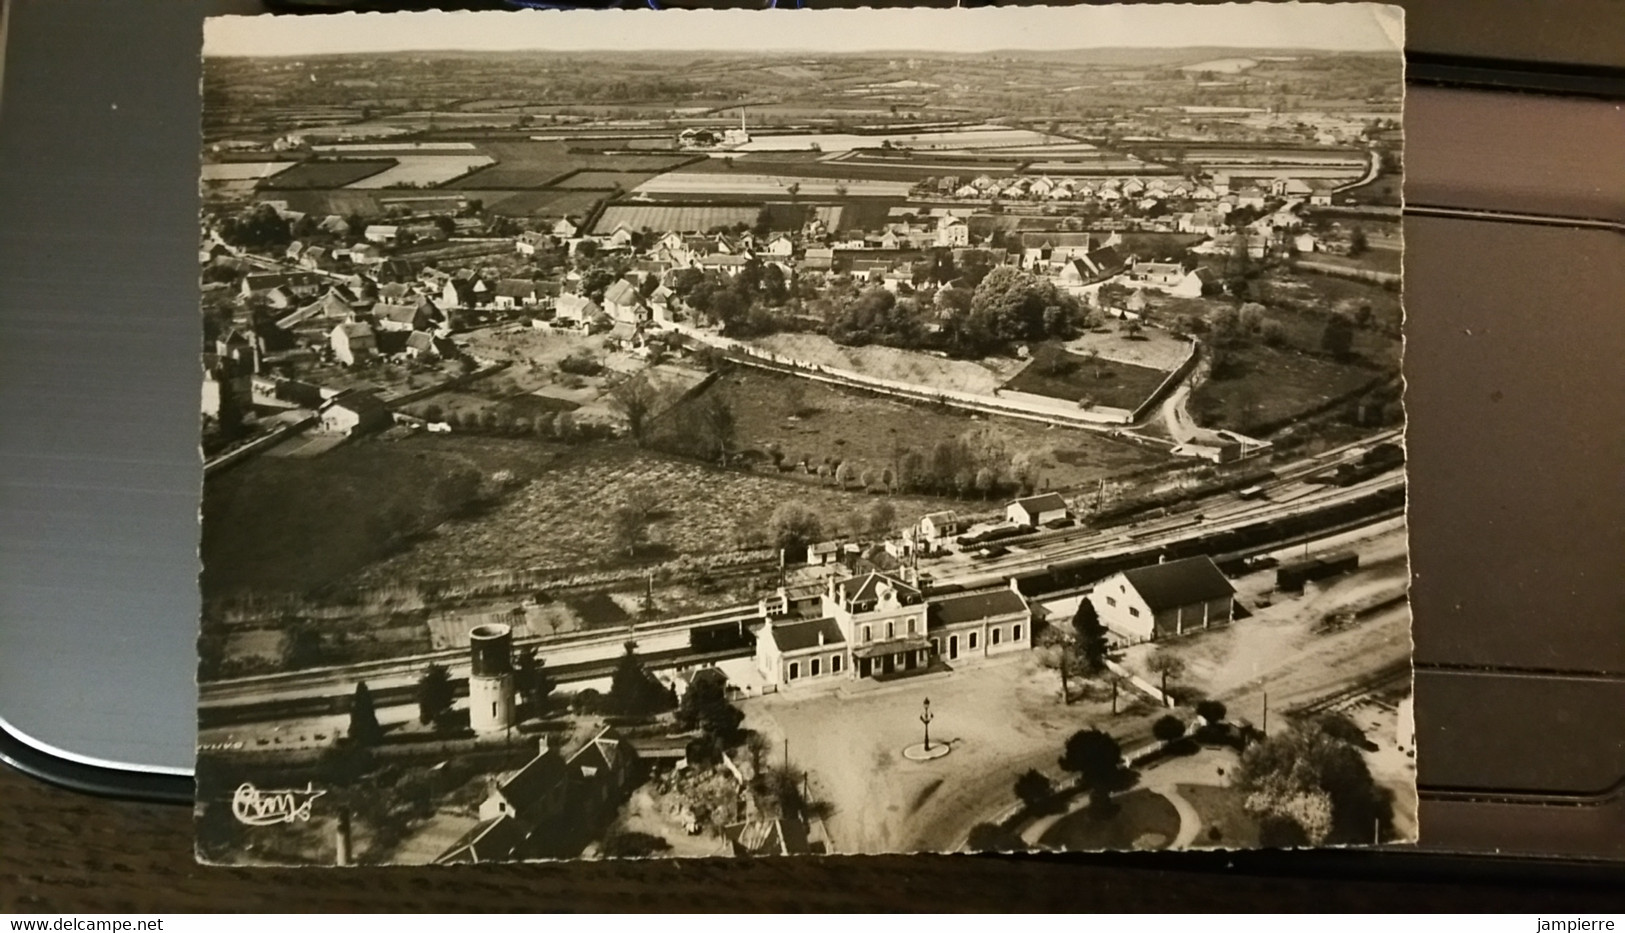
x,y
255,807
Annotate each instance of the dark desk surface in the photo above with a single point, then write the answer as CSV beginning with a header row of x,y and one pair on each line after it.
x,y
60,851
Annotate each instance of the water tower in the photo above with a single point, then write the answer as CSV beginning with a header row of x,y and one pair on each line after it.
x,y
490,681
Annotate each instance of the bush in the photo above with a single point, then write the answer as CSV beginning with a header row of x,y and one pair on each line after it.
x,y
581,364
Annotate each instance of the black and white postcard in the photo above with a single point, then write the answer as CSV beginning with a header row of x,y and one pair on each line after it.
x,y
771,432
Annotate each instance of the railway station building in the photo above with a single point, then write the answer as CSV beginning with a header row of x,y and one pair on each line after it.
x,y
880,625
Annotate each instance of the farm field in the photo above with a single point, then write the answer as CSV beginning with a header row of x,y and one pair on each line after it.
x,y
1055,373
423,171
1152,348
290,525
896,170
326,174
1385,189
663,217
396,147
538,163
544,202
924,369
341,201
242,171
746,184
1271,386
596,179
557,520
812,420
980,137
1372,260
1104,165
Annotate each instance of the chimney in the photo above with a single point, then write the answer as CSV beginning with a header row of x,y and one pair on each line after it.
x,y
821,639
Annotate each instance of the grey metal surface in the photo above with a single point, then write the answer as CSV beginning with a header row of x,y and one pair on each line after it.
x,y
99,338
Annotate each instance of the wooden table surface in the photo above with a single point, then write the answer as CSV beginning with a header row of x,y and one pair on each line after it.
x,y
62,851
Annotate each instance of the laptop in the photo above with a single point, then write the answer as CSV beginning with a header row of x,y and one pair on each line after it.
x,y
1515,265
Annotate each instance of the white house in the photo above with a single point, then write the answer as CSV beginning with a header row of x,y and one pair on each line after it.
x,y
1164,599
575,309
355,413
952,231
353,342
623,302
382,234
936,529
1036,510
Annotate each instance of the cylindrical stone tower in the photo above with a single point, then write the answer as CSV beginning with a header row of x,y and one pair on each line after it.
x,y
490,682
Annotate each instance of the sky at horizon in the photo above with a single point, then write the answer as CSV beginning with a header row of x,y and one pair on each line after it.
x,y
1355,27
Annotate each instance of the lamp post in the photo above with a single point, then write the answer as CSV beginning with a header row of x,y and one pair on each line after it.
x,y
925,720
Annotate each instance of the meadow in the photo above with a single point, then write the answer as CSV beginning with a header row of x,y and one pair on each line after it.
x,y
813,421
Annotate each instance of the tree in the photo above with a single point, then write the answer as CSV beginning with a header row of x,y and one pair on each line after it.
x,y
531,681
1097,759
628,528
1308,783
705,707
1211,711
794,526
434,695
341,768
632,692
1168,666
1092,645
1169,728
843,475
364,728
857,522
1358,243
637,398
714,419
1059,653
882,514
1033,789
1337,338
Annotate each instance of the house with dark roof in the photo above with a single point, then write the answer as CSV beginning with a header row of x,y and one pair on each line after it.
x,y
1036,510
320,314
979,624
511,294
771,837
1163,600
553,806
936,529
402,318
881,625
353,413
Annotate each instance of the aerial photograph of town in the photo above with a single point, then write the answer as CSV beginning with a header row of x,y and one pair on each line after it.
x,y
768,432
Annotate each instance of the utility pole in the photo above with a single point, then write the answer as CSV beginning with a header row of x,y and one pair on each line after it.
x,y
1265,726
